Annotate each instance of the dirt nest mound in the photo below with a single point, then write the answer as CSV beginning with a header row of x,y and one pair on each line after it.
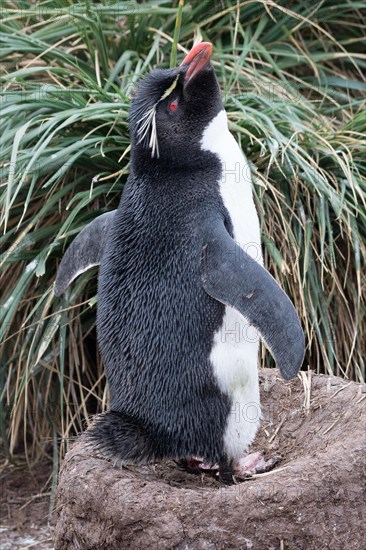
x,y
313,499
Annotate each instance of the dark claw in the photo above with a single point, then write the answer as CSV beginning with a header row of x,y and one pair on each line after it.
x,y
226,472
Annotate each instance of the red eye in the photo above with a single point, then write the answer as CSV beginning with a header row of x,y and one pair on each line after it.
x,y
173,105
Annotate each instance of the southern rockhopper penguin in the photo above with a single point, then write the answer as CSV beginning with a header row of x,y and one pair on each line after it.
x,y
182,291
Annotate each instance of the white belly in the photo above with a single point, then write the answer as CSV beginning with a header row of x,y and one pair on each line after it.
x,y
234,355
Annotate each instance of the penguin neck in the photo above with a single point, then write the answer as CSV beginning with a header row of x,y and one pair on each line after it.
x,y
218,139
193,160
216,136
235,184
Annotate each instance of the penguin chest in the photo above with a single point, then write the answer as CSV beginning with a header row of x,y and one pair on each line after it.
x,y
234,354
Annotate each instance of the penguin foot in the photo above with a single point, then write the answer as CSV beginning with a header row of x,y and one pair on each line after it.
x,y
195,465
254,463
233,472
241,469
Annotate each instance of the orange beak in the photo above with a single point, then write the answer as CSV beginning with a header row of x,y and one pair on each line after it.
x,y
197,59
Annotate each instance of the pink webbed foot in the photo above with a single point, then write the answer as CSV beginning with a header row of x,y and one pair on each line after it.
x,y
195,465
254,463
237,470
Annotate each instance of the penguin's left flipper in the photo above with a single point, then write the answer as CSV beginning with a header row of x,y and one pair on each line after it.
x,y
232,277
84,252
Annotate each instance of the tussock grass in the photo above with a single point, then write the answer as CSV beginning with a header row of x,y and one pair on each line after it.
x,y
293,85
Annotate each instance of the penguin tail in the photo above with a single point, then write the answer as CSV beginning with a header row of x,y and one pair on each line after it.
x,y
121,438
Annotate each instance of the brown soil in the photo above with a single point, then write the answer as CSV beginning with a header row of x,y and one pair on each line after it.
x,y
314,499
24,508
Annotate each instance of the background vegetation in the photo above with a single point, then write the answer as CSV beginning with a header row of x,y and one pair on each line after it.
x,y
292,75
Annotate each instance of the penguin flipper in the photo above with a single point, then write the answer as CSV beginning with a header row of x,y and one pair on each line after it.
x,y
84,252
232,277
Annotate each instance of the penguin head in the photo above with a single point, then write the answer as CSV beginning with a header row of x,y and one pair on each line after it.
x,y
172,108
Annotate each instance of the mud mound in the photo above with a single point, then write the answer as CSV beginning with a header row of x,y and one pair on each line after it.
x,y
314,499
